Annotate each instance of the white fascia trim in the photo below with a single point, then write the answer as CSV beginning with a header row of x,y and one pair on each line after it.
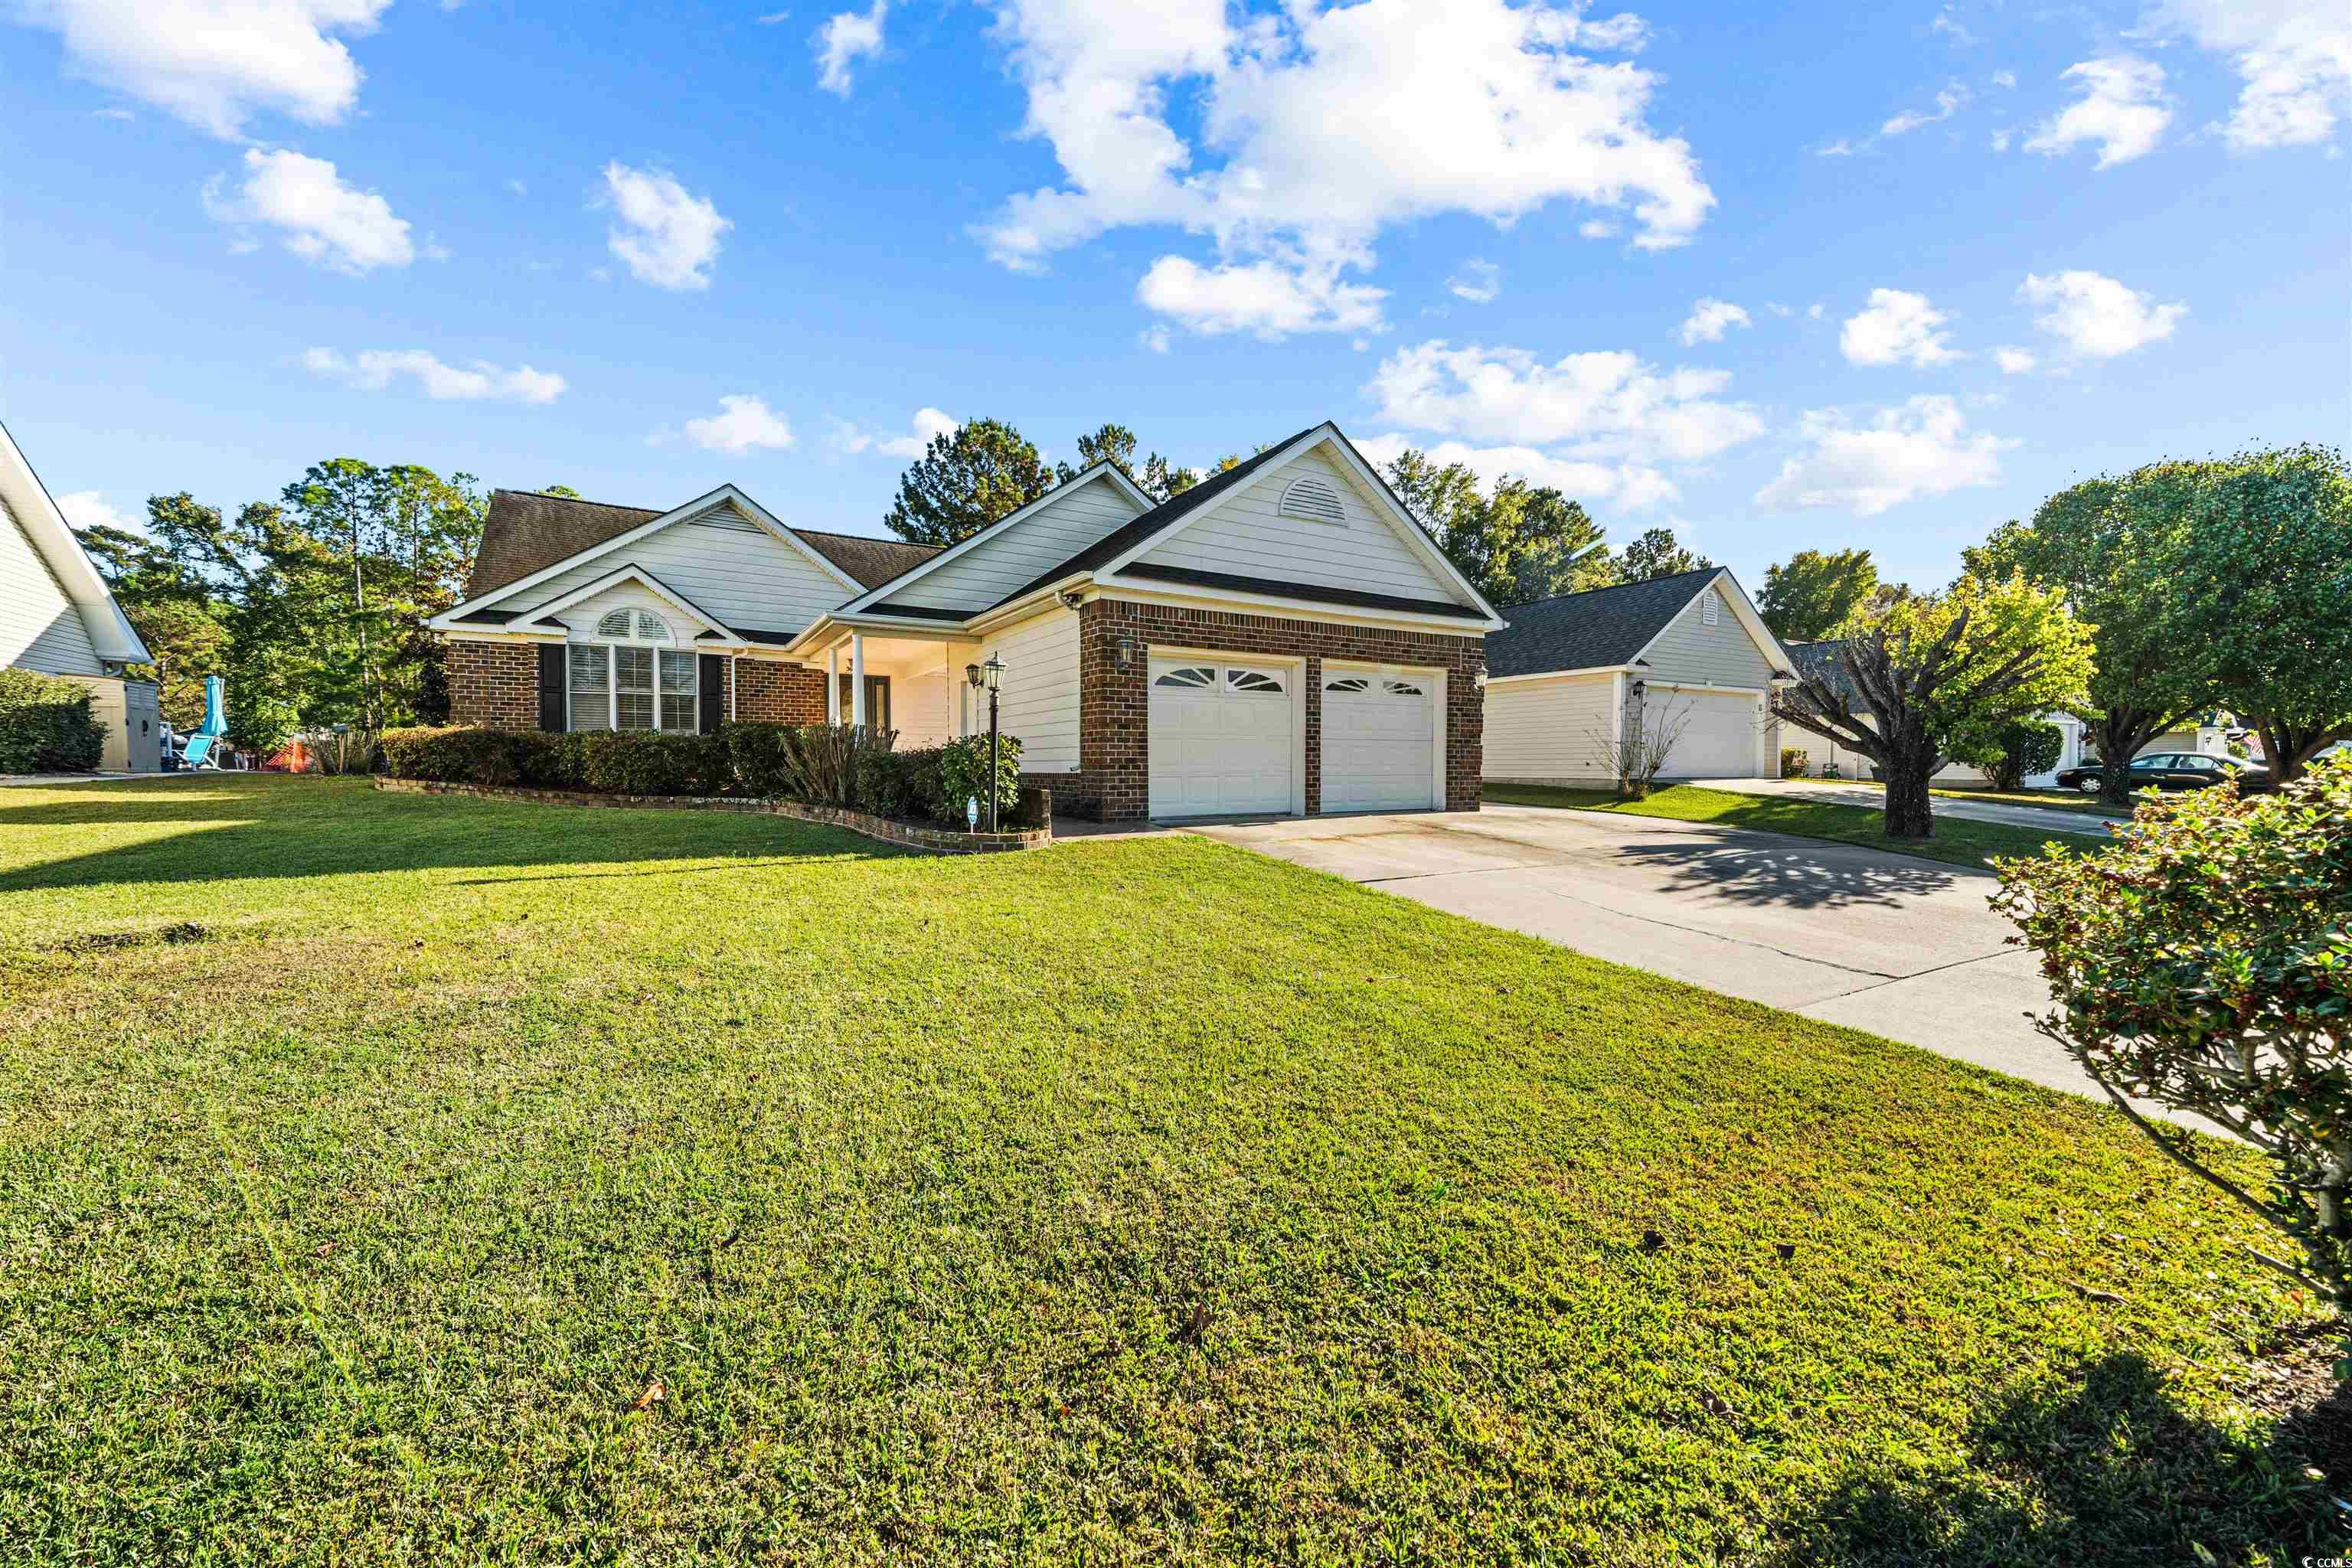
x,y
835,624
1743,612
111,636
653,585
759,514
502,634
1532,676
1107,586
1400,522
1703,686
1102,471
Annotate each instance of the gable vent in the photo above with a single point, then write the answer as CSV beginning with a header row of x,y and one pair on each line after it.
x,y
1707,608
1313,498
728,518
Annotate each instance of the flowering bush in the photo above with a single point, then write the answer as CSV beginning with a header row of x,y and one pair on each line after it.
x,y
2205,962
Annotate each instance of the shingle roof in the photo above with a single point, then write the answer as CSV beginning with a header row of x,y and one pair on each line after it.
x,y
1821,658
1161,518
528,530
1598,627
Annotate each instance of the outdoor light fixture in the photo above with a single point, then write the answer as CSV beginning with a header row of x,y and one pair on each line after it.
x,y
994,670
990,676
972,674
1128,648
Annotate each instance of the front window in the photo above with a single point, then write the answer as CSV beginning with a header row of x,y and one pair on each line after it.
x,y
632,682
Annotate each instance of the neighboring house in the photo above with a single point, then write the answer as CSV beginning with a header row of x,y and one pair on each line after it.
x,y
2073,739
1688,649
58,616
1282,638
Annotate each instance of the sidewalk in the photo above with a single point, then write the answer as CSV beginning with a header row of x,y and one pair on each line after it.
x,y
1832,793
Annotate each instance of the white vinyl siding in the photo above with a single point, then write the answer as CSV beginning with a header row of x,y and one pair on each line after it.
x,y
1550,731
40,629
1246,533
1038,699
990,570
1690,652
920,711
742,579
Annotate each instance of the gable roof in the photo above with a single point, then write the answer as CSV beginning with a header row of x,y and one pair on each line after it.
x,y
1595,630
1822,659
1158,520
526,531
871,602
111,636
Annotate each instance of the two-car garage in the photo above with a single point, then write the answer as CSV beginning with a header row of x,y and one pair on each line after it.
x,y
1227,738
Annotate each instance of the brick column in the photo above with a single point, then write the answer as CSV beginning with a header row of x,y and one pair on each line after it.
x,y
494,684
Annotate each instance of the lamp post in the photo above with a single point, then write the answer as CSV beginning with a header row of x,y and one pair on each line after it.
x,y
991,676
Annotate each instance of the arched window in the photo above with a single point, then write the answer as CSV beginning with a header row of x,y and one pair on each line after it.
x,y
628,680
1313,500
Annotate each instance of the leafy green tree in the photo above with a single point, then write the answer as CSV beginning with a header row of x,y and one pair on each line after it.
x,y
1655,555
2264,573
1935,669
175,612
2010,752
564,490
1115,444
2112,545
1813,594
967,479
1515,542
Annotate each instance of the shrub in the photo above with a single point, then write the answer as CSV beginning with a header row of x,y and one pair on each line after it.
x,y
461,753
646,761
2018,749
46,725
759,754
2205,962
963,776
1792,761
821,761
903,784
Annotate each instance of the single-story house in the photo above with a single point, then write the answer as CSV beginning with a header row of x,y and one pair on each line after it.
x,y
1688,649
1282,638
58,616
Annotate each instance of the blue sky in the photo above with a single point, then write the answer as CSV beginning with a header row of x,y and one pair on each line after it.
x,y
1975,251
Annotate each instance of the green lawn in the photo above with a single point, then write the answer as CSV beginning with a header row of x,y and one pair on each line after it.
x,y
2045,799
394,1178
1956,842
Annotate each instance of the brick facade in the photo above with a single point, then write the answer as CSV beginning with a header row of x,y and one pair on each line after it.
x,y
777,693
494,684
1114,701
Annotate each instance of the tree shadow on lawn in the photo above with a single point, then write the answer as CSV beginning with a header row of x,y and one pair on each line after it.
x,y
2106,1467
271,826
1797,875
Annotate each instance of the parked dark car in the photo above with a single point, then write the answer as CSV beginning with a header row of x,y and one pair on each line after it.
x,y
2170,770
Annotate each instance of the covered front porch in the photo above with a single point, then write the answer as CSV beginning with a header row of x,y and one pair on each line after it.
x,y
893,677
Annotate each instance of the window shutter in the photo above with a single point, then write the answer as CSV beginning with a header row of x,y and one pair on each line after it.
x,y
713,674
550,686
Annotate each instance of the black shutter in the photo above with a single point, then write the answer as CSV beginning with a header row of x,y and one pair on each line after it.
x,y
713,674
550,686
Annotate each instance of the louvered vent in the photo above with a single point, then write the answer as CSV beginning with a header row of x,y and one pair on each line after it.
x,y
1313,498
728,518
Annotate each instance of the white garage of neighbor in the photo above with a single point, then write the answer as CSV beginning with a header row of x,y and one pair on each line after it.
x,y
1569,674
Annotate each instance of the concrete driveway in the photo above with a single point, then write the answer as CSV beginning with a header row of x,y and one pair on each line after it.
x,y
1900,947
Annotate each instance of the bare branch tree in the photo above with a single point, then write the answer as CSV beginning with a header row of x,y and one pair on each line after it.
x,y
1637,754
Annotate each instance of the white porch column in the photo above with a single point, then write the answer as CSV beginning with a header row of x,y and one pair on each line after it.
x,y
951,707
857,678
833,685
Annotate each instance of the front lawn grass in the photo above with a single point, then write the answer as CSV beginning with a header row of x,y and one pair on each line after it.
x,y
2041,799
393,1178
1956,842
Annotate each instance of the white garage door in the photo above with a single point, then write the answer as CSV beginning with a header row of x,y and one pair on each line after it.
x,y
1718,737
1379,741
1221,738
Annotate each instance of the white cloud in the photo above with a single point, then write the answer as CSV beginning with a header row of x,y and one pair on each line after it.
x,y
2013,361
667,237
372,370
1306,131
1477,281
215,63
1266,297
927,424
1598,228
89,508
323,219
746,425
1840,148
1947,103
1606,420
1896,328
1628,485
2099,317
845,38
1917,449
1709,319
2121,109
1156,339
2293,56
2004,78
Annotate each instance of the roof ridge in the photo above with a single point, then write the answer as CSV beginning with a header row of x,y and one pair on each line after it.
x,y
1608,588
863,538
581,501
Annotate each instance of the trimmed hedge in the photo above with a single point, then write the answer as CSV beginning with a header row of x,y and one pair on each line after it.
x,y
46,725
825,764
